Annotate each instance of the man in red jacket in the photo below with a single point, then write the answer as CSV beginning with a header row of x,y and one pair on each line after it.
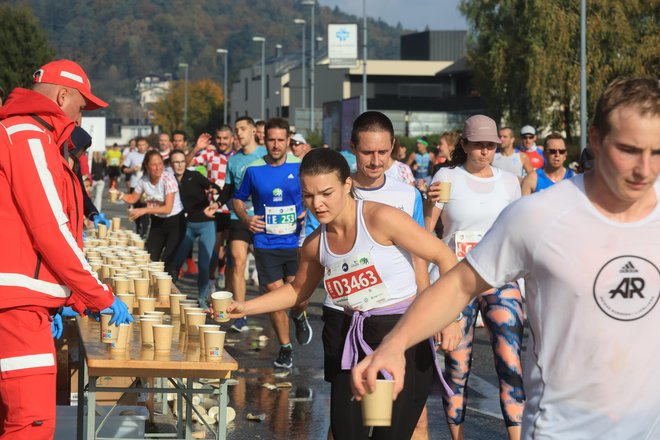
x,y
42,267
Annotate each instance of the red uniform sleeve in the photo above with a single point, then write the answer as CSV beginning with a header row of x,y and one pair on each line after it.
x,y
39,184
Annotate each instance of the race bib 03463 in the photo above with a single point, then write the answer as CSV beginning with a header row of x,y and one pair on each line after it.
x,y
355,283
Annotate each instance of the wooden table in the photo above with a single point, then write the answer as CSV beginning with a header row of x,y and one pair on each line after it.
x,y
182,362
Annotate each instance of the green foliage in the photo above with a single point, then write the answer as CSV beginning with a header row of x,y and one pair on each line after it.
x,y
24,47
526,54
205,107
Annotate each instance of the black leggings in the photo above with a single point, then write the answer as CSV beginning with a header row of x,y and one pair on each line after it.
x,y
346,415
165,235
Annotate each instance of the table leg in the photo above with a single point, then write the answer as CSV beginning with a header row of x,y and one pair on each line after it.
x,y
82,375
179,409
189,393
222,411
91,409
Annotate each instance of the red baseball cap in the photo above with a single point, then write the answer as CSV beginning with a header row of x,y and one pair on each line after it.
x,y
68,74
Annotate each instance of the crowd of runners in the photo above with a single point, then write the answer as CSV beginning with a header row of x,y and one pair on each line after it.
x,y
413,250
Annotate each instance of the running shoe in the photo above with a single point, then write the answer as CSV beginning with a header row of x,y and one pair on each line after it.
x,y
303,329
240,325
284,358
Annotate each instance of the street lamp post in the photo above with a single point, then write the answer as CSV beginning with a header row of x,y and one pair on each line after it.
x,y
262,40
304,79
224,52
583,75
312,61
364,56
185,95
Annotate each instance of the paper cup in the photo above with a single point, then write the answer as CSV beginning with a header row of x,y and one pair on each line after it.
x,y
91,255
204,328
141,287
377,406
221,300
182,311
146,329
175,300
193,321
108,332
214,342
445,193
164,284
163,336
121,285
155,314
102,230
146,304
127,299
116,223
123,335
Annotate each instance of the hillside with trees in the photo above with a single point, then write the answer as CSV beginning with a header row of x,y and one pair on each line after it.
x,y
119,41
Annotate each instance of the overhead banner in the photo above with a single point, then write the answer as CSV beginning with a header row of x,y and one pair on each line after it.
x,y
342,45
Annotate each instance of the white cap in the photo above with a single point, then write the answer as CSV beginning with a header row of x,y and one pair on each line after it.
x,y
298,138
528,129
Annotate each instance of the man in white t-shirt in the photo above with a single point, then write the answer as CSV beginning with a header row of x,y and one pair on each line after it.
x,y
588,250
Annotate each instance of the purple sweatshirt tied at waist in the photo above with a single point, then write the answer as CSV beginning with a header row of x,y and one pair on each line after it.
x,y
354,337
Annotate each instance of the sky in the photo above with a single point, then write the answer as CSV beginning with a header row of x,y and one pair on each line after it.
x,y
413,14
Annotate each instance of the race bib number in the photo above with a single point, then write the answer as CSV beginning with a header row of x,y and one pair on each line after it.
x,y
114,162
354,283
280,220
466,240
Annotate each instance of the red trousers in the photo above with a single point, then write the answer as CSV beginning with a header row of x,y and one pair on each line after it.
x,y
27,375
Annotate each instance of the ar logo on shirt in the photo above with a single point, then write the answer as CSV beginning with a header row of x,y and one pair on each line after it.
x,y
627,287
277,195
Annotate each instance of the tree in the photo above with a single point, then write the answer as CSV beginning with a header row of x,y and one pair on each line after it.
x,y
205,107
525,54
24,47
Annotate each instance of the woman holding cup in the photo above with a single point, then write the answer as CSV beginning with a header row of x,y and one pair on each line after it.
x,y
161,193
195,190
468,195
362,253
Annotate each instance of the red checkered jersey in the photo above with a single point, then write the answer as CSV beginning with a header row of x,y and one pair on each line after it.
x,y
216,168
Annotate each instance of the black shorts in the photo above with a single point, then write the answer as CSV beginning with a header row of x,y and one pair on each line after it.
x,y
238,231
222,222
113,172
275,264
333,343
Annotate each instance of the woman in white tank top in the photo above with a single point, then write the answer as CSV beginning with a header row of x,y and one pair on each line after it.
x,y
362,254
479,192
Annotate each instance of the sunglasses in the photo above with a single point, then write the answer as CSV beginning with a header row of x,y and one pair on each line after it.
x,y
295,143
552,151
528,136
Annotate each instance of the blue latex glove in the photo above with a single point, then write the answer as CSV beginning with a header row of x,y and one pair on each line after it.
x,y
56,326
119,312
100,217
68,312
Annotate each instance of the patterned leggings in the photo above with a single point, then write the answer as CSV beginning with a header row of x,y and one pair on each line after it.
x,y
501,310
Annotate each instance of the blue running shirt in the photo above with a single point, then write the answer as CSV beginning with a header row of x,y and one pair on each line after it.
x,y
277,195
